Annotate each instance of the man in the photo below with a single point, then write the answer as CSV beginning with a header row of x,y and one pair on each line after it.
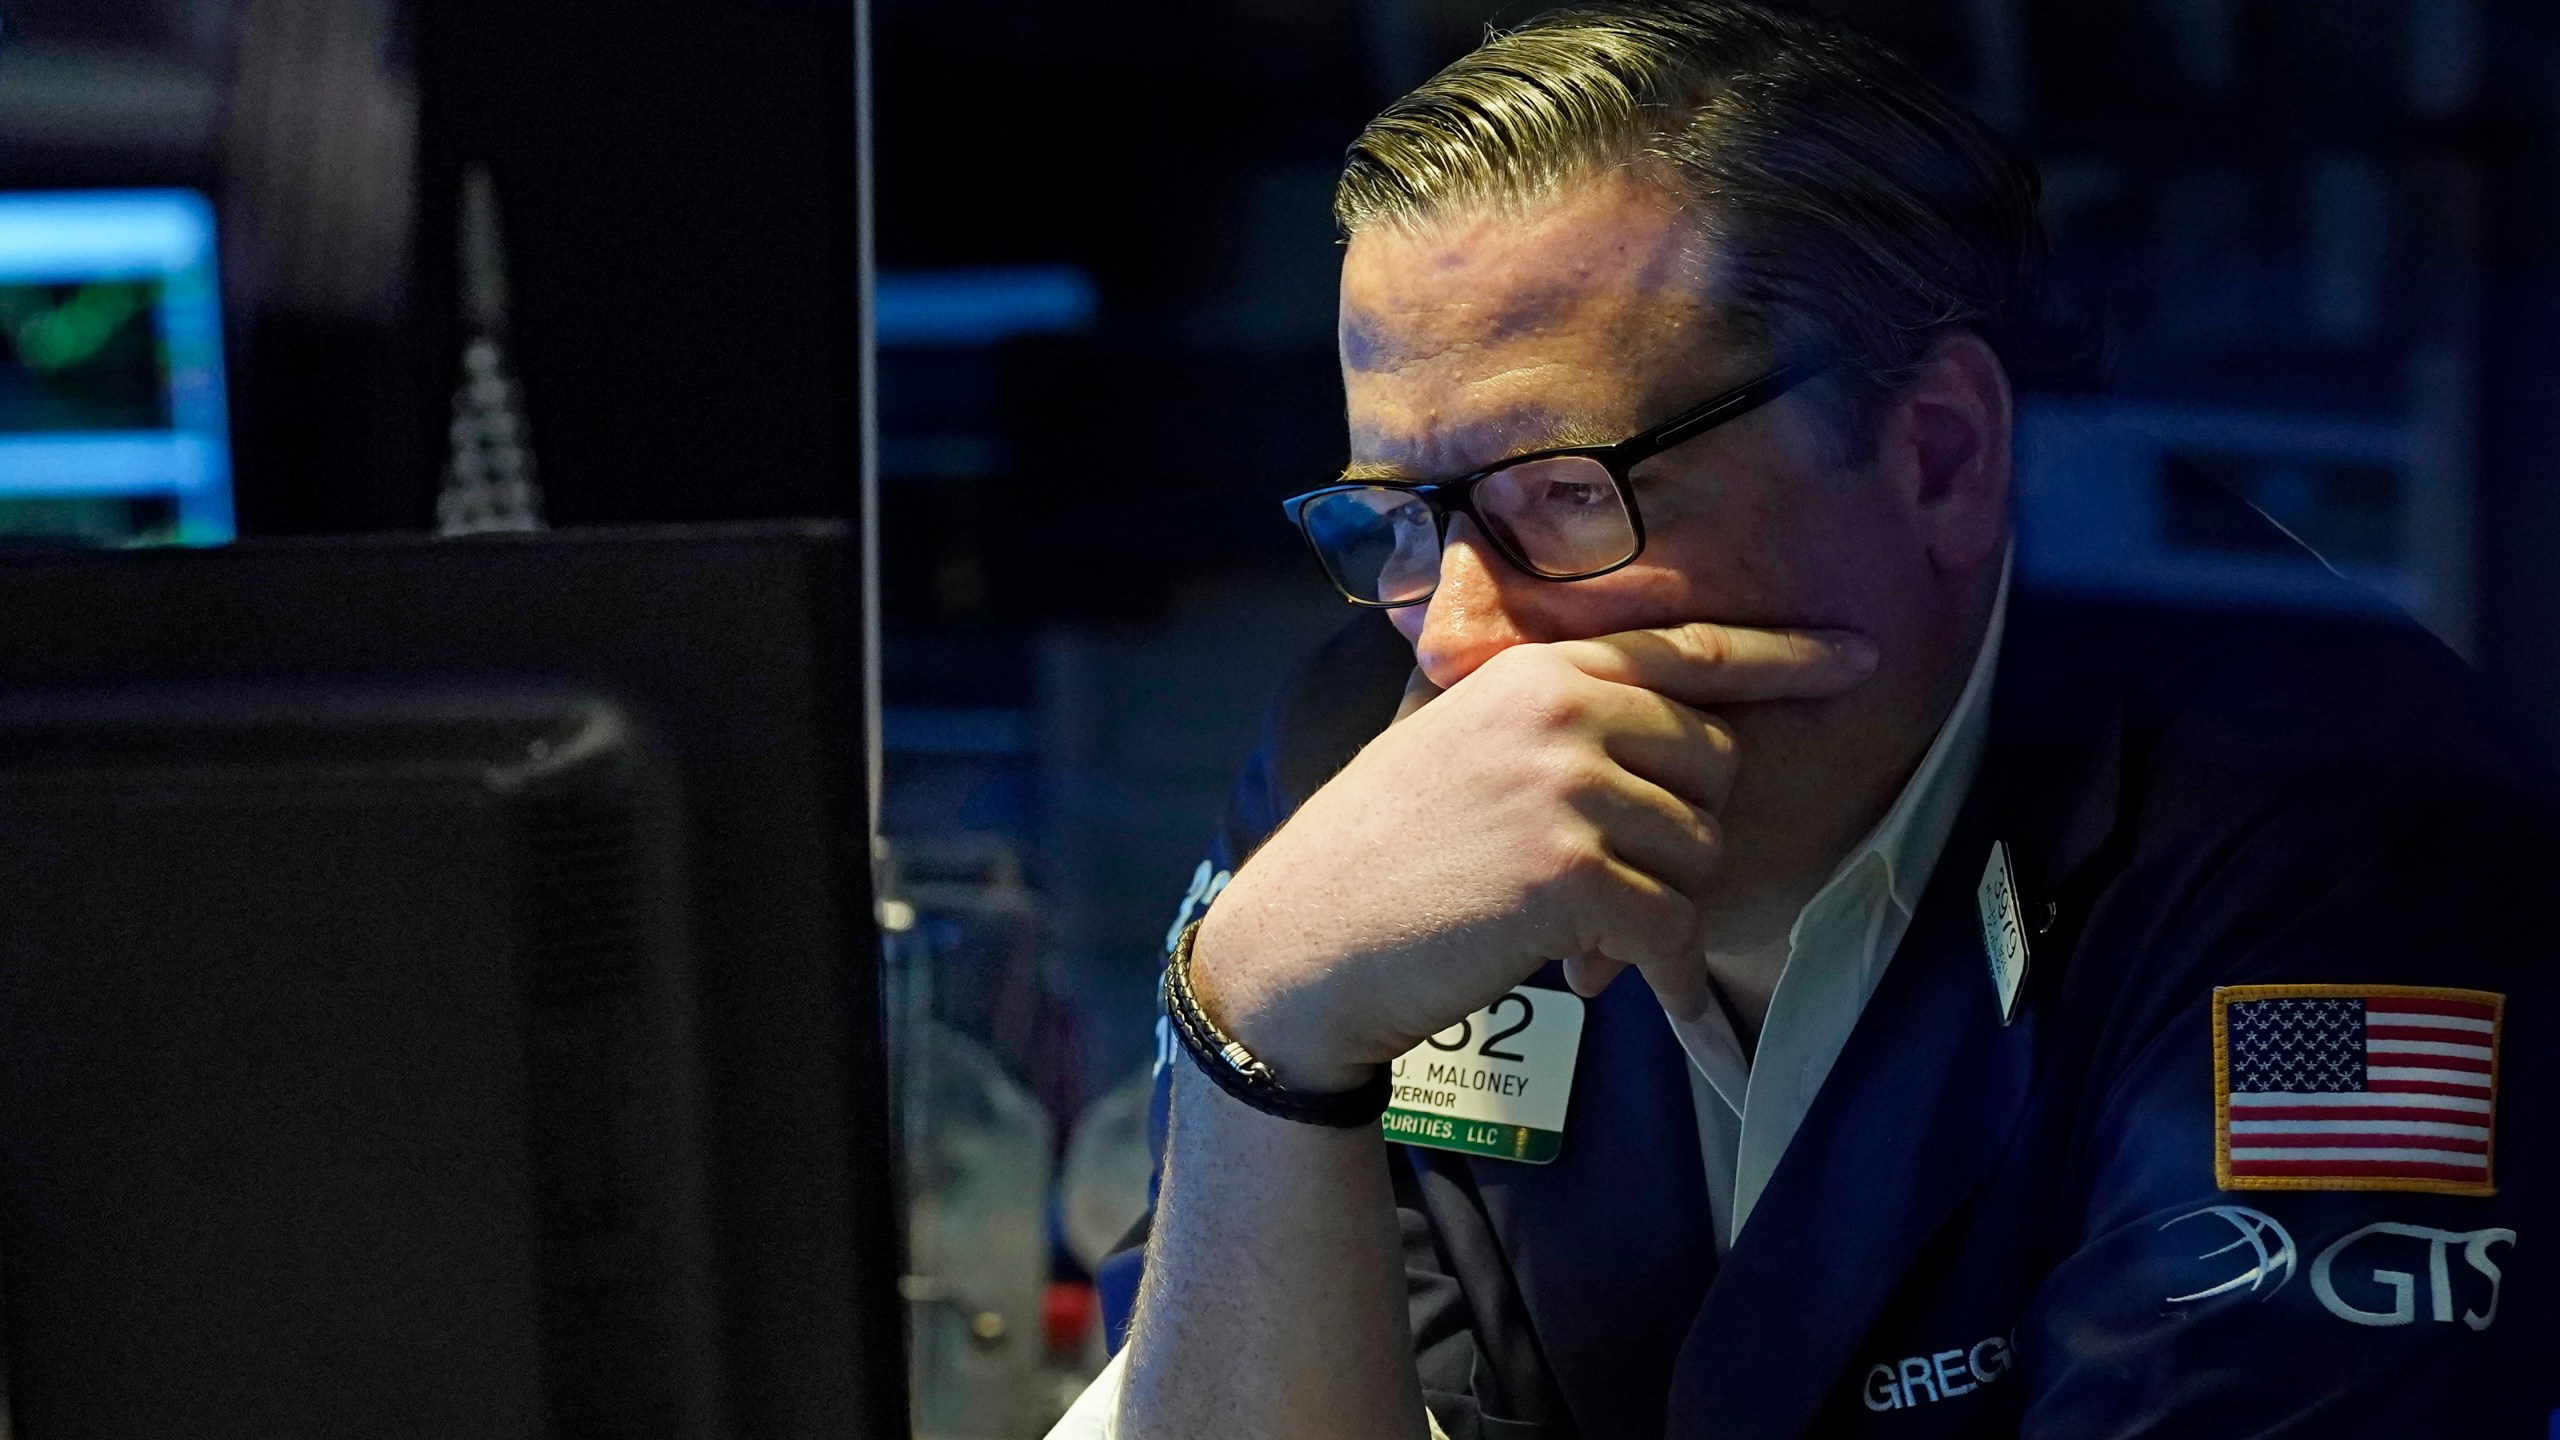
x,y
2048,1021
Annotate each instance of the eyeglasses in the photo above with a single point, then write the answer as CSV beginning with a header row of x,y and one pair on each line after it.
x,y
1562,514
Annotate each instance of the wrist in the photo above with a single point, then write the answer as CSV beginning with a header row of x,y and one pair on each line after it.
x,y
1278,1026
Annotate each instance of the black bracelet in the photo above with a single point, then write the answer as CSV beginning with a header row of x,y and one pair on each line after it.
x,y
1236,1071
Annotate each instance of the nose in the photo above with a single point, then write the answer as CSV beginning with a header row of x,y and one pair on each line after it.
x,y
1474,614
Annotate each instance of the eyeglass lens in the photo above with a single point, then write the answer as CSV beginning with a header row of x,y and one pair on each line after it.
x,y
1559,517
1381,546
1564,516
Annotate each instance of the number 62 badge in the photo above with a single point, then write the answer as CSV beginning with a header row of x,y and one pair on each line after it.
x,y
1495,1083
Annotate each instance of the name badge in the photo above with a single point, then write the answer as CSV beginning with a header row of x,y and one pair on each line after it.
x,y
2004,932
1495,1083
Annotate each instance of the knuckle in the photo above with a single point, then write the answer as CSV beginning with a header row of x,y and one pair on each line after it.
x,y
1555,702
1549,707
1571,772
1579,866
1722,743
1707,643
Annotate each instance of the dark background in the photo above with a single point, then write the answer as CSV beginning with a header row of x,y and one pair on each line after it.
x,y
2325,234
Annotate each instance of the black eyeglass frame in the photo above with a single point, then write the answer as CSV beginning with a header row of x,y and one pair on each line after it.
x,y
1447,497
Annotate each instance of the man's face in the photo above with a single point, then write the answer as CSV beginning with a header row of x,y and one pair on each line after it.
x,y
1486,335
1483,336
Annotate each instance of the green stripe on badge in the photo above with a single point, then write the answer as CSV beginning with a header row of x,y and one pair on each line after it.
x,y
1472,1137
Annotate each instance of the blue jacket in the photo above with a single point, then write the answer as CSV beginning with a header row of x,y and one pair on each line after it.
x,y
1988,1229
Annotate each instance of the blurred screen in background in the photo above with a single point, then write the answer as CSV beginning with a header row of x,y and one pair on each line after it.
x,y
113,428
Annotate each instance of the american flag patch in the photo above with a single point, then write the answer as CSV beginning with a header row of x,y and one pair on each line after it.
x,y
2355,1087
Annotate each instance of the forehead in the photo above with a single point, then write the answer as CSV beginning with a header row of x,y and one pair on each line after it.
x,y
1484,332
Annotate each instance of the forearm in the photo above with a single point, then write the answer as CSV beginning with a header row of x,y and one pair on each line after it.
x,y
1274,1297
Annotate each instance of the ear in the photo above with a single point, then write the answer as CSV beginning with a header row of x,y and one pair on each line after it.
x,y
1945,438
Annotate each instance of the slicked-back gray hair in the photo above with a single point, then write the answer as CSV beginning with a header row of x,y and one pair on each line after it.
x,y
1856,212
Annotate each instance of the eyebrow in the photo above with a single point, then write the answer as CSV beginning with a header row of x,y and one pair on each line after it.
x,y
1375,470
1534,435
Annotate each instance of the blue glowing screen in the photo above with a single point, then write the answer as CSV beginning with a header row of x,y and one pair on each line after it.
x,y
113,426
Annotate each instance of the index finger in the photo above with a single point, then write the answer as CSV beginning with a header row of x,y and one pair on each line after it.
x,y
1706,664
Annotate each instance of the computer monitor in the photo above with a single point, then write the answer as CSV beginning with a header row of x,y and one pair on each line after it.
x,y
438,993
113,429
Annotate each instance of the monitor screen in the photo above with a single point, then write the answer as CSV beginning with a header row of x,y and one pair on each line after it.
x,y
112,419
439,995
